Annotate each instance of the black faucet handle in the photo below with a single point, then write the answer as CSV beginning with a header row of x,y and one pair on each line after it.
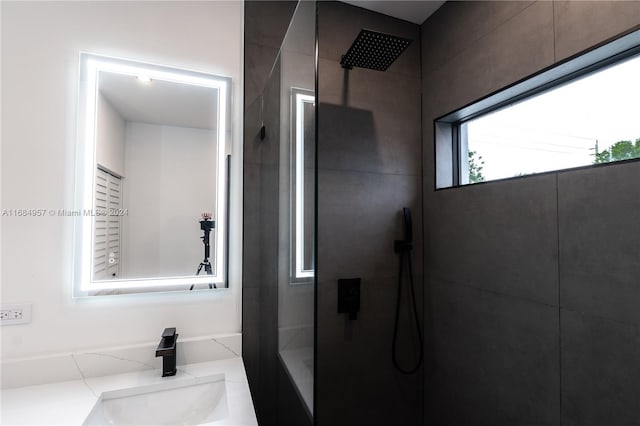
x,y
169,332
167,350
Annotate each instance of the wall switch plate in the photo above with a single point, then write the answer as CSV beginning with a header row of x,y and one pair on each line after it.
x,y
15,314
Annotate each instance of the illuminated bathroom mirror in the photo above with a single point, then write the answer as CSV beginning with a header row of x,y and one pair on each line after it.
x,y
152,178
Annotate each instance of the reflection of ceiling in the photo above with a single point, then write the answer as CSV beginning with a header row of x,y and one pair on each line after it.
x,y
160,102
412,11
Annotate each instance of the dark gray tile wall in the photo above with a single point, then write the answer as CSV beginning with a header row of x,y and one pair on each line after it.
x,y
532,290
504,234
369,167
600,294
580,24
266,23
360,219
600,371
497,358
599,214
478,18
370,112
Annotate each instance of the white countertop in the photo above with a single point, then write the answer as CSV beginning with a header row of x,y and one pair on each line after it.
x,y
69,403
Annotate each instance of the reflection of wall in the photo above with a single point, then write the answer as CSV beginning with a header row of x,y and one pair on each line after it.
x,y
40,48
170,180
110,135
533,290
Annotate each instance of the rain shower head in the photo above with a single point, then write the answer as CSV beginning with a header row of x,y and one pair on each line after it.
x,y
374,50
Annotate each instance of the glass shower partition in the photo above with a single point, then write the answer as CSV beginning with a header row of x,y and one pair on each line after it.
x,y
296,201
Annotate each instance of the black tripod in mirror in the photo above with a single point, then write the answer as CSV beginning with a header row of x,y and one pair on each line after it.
x,y
206,225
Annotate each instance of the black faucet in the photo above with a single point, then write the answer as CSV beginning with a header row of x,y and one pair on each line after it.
x,y
167,350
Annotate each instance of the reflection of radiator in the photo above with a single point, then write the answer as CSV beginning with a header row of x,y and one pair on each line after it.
x,y
107,226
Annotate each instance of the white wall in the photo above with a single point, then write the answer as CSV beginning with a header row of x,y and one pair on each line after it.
x,y
110,137
170,180
40,47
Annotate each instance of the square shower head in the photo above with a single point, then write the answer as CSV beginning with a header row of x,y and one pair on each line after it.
x,y
374,50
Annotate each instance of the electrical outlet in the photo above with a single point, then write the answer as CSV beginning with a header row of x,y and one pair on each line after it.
x,y
15,314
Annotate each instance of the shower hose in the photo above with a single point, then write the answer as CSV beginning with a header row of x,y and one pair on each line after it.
x,y
405,259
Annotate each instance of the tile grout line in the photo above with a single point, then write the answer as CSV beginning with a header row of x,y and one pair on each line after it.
x,y
494,292
368,172
603,318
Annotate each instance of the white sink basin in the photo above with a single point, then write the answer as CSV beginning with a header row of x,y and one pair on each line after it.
x,y
196,401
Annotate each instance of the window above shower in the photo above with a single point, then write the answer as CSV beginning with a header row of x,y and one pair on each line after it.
x,y
579,113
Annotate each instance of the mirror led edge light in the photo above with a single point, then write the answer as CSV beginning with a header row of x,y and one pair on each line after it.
x,y
301,99
94,64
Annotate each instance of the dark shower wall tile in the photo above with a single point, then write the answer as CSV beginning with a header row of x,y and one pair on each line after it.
x,y
250,335
522,46
582,24
253,144
261,107
268,341
374,326
269,323
341,23
251,226
513,50
266,22
428,151
497,359
368,120
470,51
600,371
461,81
359,217
269,147
428,180
359,385
498,236
258,63
369,168
600,241
478,18
269,222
